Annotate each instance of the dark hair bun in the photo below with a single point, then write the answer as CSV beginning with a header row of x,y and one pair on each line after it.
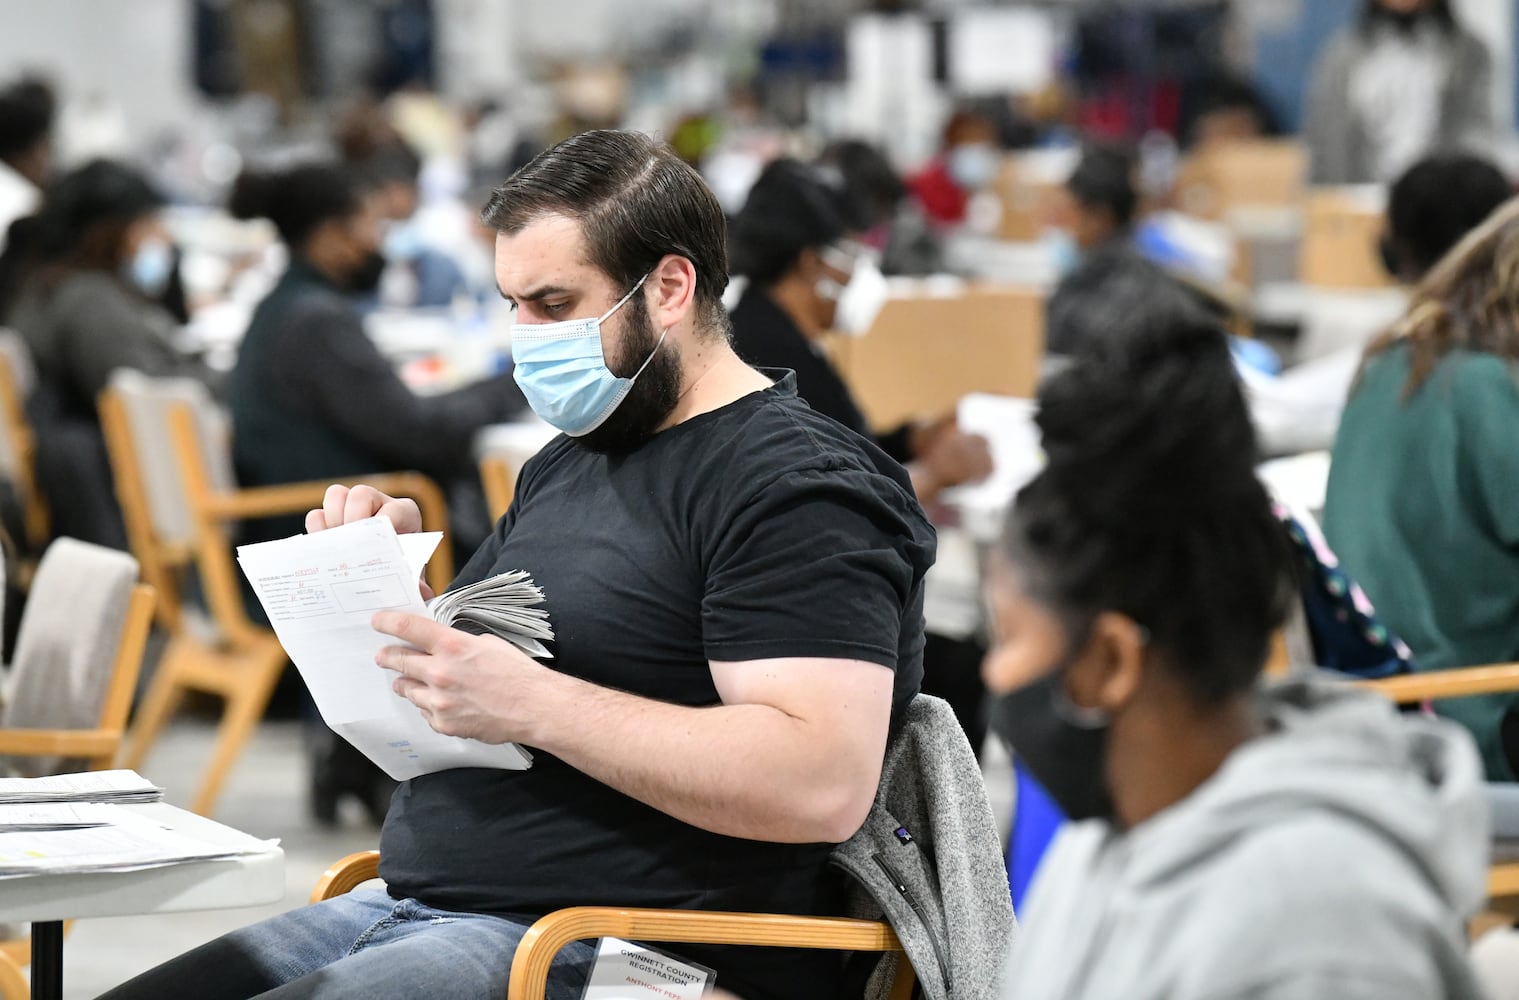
x,y
791,208
1151,424
297,199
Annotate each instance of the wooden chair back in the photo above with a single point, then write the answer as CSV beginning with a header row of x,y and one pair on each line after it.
x,y
78,656
18,443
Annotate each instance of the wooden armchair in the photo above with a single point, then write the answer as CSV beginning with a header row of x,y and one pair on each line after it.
x,y
1411,689
86,612
171,460
530,965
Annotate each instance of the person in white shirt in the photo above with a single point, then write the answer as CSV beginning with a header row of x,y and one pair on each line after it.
x,y
27,110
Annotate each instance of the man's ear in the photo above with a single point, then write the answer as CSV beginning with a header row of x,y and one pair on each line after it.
x,y
1111,665
670,291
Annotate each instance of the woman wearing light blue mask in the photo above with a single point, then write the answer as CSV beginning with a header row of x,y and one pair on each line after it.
x,y
91,300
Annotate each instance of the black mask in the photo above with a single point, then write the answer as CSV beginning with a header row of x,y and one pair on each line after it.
x,y
365,277
1064,746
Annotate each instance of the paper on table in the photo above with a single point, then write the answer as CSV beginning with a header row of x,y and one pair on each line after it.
x,y
128,842
53,815
86,786
320,592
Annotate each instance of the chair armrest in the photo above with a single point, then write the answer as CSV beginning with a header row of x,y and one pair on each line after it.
x,y
346,875
530,964
60,742
1436,684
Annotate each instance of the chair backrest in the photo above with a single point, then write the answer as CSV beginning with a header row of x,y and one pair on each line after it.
x,y
68,642
503,450
17,443
145,402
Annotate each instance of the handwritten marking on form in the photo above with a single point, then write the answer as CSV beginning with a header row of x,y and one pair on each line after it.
x,y
320,592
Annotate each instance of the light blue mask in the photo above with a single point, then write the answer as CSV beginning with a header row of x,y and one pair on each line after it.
x,y
151,266
563,371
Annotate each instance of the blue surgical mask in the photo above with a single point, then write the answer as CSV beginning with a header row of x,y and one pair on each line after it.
x,y
563,371
1061,250
151,266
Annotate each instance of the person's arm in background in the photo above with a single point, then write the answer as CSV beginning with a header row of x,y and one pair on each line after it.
x,y
1329,129
328,364
938,454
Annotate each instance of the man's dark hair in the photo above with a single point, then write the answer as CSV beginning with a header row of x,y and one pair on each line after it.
x,y
1148,503
1104,179
636,202
1436,202
26,116
791,208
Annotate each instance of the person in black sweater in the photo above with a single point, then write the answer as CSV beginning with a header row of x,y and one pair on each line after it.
x,y
807,276
312,398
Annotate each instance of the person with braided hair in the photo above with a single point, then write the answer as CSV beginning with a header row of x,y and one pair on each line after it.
x,y
1228,842
1421,504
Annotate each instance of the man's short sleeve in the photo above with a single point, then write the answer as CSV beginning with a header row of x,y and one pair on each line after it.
x,y
818,563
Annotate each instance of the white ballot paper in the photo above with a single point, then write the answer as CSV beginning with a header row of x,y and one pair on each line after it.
x,y
84,786
626,971
320,592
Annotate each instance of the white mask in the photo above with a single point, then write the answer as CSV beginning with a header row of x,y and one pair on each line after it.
x,y
859,301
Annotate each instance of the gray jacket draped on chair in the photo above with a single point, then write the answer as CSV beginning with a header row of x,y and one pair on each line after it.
x,y
928,861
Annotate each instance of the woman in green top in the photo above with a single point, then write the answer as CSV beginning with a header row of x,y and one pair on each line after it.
x,y
1423,501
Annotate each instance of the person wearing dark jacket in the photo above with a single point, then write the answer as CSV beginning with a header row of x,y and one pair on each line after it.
x,y
91,275
808,276
313,399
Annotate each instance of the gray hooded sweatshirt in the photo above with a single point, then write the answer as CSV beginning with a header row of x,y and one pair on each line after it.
x,y
1335,856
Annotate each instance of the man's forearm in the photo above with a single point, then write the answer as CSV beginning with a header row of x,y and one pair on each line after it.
x,y
747,771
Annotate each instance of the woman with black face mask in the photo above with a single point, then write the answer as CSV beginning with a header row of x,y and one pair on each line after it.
x,y
313,399
1301,841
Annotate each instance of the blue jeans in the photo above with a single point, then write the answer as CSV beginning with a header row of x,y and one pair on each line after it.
x,y
362,945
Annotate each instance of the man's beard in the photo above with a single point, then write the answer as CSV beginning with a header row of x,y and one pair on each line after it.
x,y
653,397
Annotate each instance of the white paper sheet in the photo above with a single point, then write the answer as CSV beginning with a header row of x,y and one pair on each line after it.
x,y
85,786
320,592
126,842
626,971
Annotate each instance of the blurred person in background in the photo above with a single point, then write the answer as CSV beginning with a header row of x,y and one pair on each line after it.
x,y
888,221
968,161
96,264
1420,502
1225,108
420,275
1404,80
1228,842
313,398
808,274
27,112
1431,207
1092,243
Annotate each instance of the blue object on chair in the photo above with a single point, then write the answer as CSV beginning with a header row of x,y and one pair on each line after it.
x,y
1036,820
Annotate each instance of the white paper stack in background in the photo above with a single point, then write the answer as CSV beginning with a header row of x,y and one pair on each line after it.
x,y
320,592
87,786
117,839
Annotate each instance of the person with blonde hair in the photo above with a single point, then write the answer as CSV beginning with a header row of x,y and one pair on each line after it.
x,y
1423,497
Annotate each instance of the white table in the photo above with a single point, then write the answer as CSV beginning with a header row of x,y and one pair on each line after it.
x,y
48,900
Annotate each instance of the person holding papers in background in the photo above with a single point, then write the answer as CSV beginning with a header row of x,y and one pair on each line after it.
x,y
809,274
312,397
735,584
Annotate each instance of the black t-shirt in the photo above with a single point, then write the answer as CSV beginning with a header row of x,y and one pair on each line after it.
x,y
757,530
766,337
